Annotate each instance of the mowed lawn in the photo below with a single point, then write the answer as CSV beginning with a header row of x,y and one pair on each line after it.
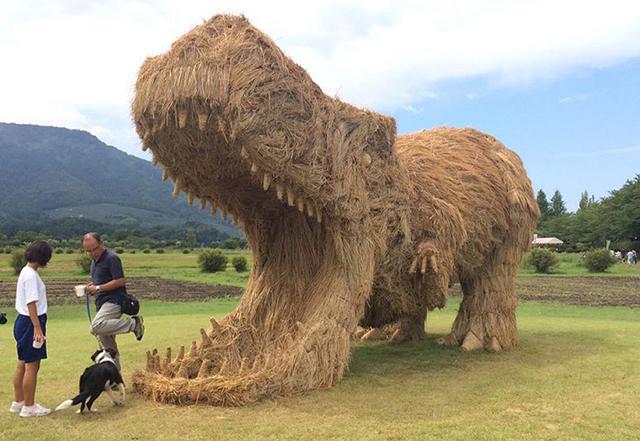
x,y
574,376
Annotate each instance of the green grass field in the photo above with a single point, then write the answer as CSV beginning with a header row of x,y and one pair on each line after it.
x,y
574,376
179,266
169,265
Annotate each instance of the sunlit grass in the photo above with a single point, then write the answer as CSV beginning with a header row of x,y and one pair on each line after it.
x,y
574,376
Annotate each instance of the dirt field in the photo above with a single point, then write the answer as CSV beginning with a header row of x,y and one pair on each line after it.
x,y
60,292
577,290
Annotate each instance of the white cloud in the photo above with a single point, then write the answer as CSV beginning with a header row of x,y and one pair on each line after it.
x,y
74,63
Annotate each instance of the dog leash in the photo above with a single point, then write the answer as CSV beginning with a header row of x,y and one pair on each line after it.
x,y
90,321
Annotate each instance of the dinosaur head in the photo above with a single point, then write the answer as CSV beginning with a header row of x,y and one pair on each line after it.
x,y
237,124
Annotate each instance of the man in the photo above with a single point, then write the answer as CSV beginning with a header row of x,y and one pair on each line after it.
x,y
108,287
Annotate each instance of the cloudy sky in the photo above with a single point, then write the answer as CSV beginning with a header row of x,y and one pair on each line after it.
x,y
557,81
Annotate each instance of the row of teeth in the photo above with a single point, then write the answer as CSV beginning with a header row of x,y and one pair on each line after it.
x,y
197,361
283,192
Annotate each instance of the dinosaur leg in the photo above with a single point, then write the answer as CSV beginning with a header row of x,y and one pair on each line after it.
x,y
487,315
290,333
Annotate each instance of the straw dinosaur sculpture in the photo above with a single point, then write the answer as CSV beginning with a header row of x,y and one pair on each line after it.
x,y
346,222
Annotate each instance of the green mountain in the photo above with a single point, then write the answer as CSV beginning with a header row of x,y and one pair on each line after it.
x,y
51,174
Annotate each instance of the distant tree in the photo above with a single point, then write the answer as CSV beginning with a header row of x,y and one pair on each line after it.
x,y
191,238
543,204
557,204
586,201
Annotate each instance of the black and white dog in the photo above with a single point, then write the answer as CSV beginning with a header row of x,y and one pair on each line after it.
x,y
103,376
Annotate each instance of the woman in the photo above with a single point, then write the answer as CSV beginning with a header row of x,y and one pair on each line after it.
x,y
29,330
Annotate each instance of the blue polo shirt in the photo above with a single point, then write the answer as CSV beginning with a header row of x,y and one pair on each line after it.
x,y
107,268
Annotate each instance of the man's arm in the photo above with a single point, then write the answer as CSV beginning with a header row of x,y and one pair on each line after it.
x,y
106,287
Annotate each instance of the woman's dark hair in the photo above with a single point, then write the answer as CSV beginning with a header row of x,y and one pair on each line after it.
x,y
39,252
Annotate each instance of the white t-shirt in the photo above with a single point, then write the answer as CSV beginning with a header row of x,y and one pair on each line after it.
x,y
30,288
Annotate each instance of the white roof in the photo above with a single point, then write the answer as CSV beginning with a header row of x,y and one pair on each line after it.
x,y
547,241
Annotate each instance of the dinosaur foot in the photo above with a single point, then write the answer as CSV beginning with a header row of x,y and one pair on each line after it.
x,y
471,342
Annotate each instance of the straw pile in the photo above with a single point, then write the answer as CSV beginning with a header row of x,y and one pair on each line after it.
x,y
336,211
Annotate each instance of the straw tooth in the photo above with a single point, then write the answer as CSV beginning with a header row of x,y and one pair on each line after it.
x,y
266,181
180,354
254,168
279,190
366,159
223,367
215,326
203,203
206,340
202,120
243,364
149,361
291,197
224,212
190,199
318,214
423,268
145,145
310,211
167,358
193,352
177,188
204,368
182,118
243,153
300,203
214,208
165,173
154,160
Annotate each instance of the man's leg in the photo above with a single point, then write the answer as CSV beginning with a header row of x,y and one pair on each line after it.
x,y
109,322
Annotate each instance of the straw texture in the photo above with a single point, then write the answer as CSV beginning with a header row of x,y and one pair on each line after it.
x,y
345,222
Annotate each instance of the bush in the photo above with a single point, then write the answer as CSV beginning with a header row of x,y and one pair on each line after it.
x,y
146,251
132,251
17,262
59,251
186,251
160,251
211,261
542,260
119,251
84,262
69,251
7,250
598,261
239,263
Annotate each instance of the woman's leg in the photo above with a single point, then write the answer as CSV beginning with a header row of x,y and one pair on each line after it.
x,y
18,377
29,382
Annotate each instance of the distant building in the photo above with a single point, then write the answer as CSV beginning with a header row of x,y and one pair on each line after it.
x,y
545,241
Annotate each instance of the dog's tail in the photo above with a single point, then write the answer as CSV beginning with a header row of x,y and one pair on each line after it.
x,y
72,402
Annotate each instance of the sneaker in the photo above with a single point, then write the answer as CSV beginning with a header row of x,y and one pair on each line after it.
x,y
34,411
16,407
138,329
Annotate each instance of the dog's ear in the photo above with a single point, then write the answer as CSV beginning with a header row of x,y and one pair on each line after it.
x,y
95,354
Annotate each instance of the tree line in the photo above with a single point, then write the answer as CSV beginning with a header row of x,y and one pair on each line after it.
x,y
615,218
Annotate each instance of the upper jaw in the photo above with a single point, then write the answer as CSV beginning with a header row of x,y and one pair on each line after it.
x,y
227,172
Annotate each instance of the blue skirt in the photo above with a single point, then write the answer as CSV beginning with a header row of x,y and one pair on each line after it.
x,y
23,333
